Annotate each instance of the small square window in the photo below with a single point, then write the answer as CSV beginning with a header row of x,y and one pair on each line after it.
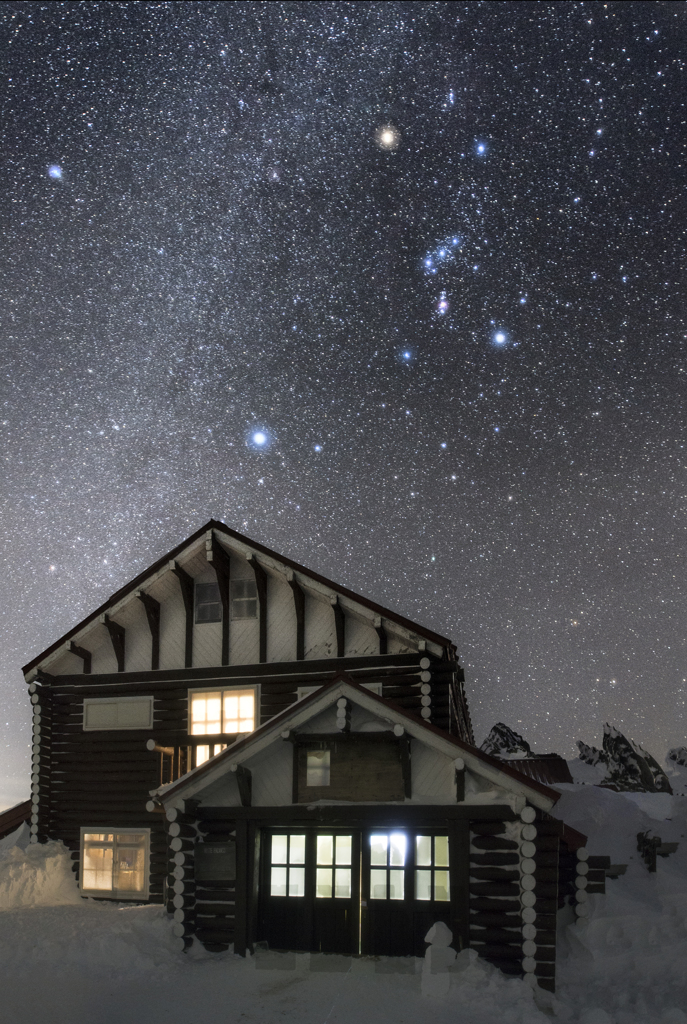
x,y
317,768
208,603
244,599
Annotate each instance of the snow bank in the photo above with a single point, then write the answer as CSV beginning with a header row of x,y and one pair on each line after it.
x,y
115,963
35,876
625,964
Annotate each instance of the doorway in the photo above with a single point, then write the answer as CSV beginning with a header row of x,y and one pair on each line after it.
x,y
370,891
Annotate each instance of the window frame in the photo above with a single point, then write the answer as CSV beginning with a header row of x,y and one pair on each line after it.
x,y
217,737
243,618
206,622
115,894
88,701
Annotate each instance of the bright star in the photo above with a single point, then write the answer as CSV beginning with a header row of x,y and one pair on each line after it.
x,y
406,355
388,137
318,447
55,172
259,438
481,148
500,338
442,304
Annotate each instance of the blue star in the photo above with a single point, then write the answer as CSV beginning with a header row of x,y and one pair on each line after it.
x,y
500,338
55,172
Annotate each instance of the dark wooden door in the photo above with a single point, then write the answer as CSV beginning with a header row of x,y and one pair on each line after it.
x,y
405,890
310,890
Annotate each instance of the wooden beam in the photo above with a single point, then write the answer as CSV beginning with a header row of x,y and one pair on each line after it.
x,y
241,909
186,584
261,587
245,783
299,605
118,637
459,873
404,749
459,764
82,653
381,633
221,563
152,608
339,625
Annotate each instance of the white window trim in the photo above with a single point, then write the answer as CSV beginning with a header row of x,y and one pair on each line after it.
x,y
88,701
116,894
216,737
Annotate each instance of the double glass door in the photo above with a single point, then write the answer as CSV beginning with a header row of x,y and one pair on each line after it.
x,y
310,886
370,891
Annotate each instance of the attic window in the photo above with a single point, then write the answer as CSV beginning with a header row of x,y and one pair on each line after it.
x,y
317,768
208,603
244,599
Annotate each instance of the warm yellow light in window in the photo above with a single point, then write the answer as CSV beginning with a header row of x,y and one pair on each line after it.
x,y
239,711
206,710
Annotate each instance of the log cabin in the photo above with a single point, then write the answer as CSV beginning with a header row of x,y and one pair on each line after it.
x,y
279,760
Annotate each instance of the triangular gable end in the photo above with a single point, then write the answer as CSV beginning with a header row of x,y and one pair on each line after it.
x,y
342,686
216,541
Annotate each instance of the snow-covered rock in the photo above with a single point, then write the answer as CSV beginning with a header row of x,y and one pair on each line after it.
x,y
506,743
627,765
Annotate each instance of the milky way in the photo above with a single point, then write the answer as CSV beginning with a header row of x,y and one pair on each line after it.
x,y
394,288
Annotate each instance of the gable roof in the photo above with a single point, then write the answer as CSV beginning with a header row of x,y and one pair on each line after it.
x,y
342,685
214,524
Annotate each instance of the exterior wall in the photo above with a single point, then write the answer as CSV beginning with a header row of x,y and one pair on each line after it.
x,y
320,631
281,621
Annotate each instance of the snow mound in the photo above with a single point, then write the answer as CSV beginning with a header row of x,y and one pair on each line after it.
x,y
38,875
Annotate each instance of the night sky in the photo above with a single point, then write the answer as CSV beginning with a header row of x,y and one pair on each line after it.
x,y
397,289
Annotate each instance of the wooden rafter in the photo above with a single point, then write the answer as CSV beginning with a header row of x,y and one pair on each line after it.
x,y
261,587
299,605
186,584
152,608
340,626
82,653
118,638
221,563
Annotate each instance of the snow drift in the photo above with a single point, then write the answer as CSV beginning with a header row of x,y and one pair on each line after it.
x,y
35,876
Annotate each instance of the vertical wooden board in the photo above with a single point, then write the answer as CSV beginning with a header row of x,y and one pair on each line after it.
x,y
320,631
432,775
104,660
361,639
241,907
281,621
459,857
172,621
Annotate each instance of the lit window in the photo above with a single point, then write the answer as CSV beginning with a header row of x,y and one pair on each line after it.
x,y
431,868
244,599
333,877
204,751
222,711
387,866
317,768
208,603
287,874
115,863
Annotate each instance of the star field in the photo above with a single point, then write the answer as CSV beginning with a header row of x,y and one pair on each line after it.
x,y
397,289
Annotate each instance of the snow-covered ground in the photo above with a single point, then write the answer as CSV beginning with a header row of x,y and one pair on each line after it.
x,y
77,961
